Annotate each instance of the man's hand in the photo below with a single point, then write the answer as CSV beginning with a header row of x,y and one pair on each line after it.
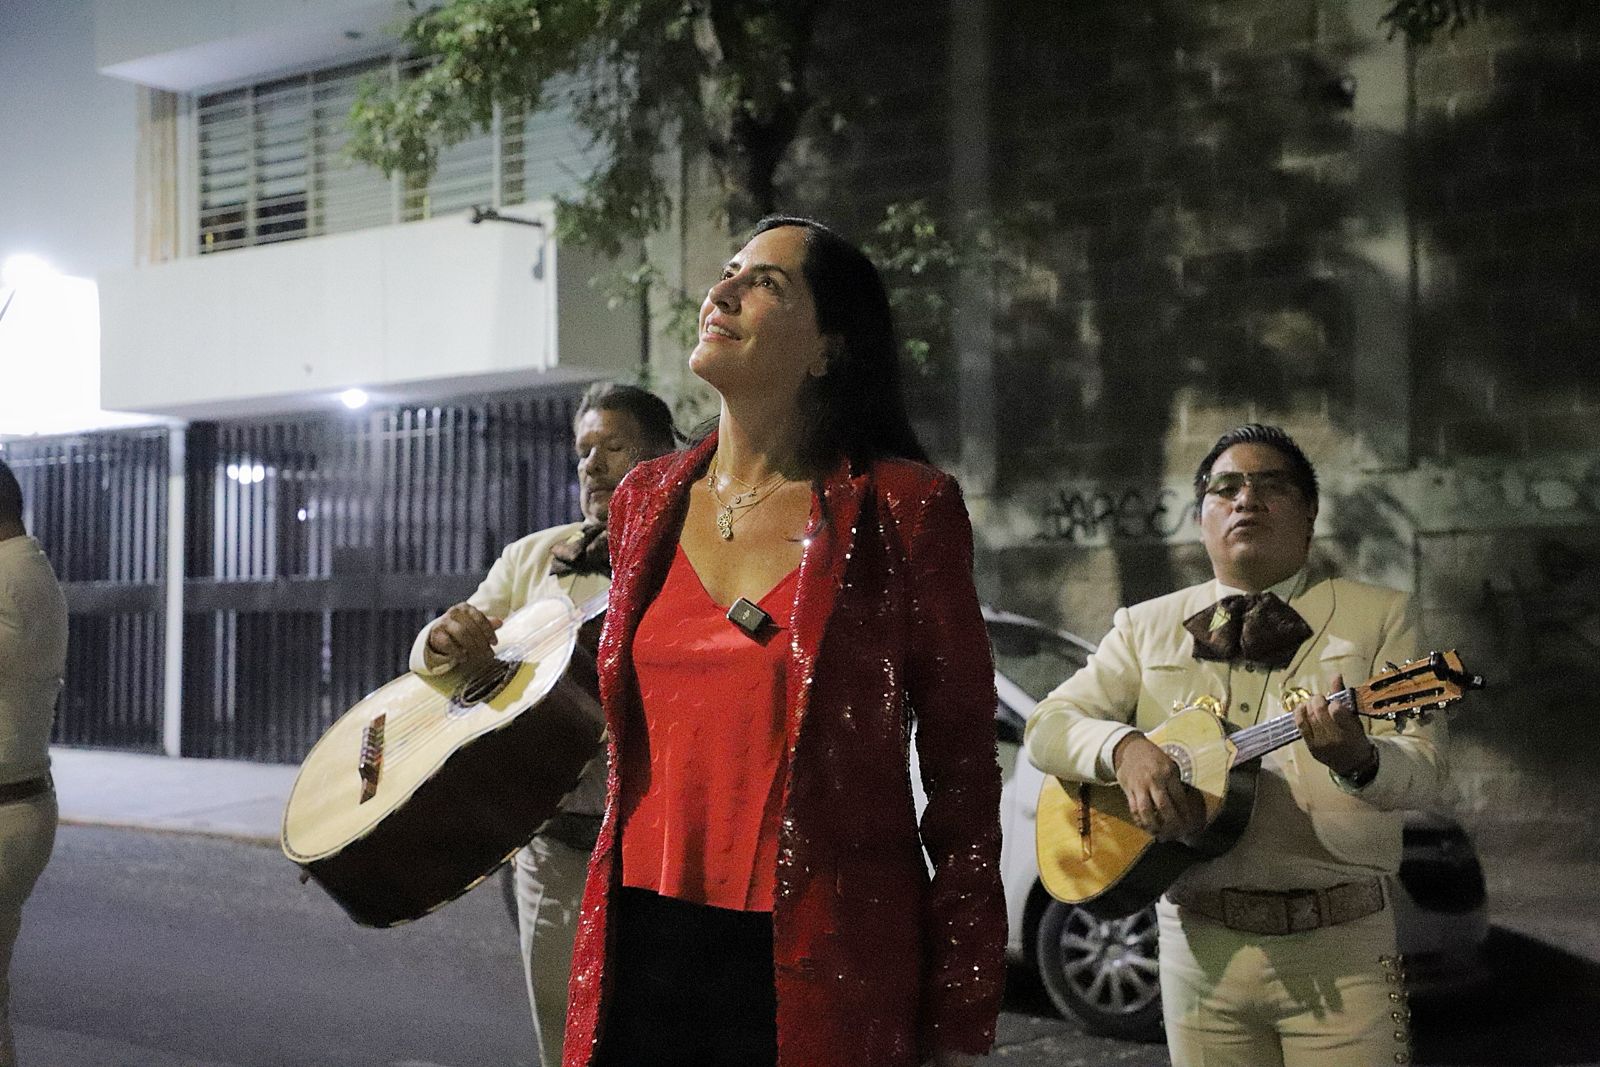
x,y
464,636
1332,731
1161,803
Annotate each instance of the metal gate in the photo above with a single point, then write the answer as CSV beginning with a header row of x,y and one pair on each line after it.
x,y
316,547
98,505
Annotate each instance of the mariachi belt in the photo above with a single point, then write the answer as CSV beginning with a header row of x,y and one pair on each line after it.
x,y
1291,911
27,789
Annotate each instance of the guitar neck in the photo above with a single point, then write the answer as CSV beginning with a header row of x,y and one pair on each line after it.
x,y
594,606
1256,741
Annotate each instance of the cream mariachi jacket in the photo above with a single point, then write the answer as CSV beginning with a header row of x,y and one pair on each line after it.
x,y
1145,669
520,576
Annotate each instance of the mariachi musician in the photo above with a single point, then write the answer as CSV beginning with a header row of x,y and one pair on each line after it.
x,y
616,426
1281,950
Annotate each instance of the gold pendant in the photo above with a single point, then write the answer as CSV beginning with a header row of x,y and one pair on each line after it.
x,y
725,523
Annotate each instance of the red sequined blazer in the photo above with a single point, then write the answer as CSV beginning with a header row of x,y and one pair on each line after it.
x,y
875,963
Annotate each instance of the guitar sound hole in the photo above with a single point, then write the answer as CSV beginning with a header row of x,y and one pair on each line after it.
x,y
484,686
1185,762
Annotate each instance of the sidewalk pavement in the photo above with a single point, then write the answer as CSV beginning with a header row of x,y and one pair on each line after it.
x,y
226,798
1553,901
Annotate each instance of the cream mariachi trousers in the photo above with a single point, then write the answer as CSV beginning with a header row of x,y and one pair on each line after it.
x,y
1333,997
549,879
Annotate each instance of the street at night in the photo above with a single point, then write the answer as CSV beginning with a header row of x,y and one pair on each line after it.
x,y
700,440
149,949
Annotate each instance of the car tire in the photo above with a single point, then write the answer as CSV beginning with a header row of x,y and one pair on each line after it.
x,y
1102,971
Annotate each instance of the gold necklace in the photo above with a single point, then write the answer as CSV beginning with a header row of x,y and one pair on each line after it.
x,y
731,511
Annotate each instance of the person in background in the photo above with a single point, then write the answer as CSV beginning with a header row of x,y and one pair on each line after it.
x,y
33,657
792,594
1281,951
616,426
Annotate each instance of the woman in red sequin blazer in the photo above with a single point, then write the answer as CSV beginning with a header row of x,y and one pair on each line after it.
x,y
872,962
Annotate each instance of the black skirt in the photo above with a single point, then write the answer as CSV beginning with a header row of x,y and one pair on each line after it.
x,y
692,986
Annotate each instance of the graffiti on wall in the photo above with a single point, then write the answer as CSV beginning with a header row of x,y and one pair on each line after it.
x,y
1091,515
1561,491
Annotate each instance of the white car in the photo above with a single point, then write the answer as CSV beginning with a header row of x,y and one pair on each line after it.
x,y
1104,972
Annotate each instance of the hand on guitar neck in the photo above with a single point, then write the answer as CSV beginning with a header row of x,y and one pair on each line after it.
x,y
1161,803
1168,809
1115,849
1333,732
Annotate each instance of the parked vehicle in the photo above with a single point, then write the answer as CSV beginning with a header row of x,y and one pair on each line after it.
x,y
1104,972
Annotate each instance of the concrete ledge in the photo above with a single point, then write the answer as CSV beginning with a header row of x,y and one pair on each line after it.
x,y
227,798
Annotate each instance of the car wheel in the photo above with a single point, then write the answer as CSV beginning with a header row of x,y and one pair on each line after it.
x,y
1105,972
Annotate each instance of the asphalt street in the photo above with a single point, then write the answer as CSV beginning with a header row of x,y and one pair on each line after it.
x,y
151,949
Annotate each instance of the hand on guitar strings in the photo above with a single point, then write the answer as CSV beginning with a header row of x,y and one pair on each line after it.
x,y
1160,802
464,637
1333,731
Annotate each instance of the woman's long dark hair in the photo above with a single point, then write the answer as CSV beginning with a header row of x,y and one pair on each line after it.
x,y
857,409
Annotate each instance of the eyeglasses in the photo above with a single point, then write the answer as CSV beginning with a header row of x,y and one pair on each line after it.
x,y
1269,485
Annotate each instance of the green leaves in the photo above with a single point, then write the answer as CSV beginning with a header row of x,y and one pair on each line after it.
x,y
1419,20
726,72
919,256
1422,20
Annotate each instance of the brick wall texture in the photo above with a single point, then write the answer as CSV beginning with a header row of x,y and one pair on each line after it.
x,y
1201,214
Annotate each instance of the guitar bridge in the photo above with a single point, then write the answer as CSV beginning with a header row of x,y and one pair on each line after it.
x,y
370,765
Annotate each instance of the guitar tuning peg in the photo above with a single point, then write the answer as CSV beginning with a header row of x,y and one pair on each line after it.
x,y
1391,666
1425,716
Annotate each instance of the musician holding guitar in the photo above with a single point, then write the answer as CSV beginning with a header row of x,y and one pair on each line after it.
x,y
1279,949
616,426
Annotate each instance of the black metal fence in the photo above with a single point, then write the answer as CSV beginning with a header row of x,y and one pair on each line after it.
x,y
98,505
316,547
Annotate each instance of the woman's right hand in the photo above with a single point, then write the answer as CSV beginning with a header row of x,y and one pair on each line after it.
x,y
1161,802
464,636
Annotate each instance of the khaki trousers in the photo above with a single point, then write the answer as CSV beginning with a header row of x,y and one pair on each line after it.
x,y
1333,997
27,836
549,878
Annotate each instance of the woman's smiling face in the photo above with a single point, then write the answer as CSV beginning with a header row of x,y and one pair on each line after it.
x,y
758,324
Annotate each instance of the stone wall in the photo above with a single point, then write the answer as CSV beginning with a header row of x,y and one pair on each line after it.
x,y
1203,214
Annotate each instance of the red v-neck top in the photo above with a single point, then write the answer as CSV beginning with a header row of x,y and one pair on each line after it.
x,y
702,795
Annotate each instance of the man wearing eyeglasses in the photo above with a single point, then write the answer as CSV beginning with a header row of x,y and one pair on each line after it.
x,y
1281,951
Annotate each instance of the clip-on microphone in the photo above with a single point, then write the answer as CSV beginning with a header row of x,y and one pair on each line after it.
x,y
747,617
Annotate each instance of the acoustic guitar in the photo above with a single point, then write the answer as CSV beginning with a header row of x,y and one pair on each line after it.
x,y
425,786
1092,854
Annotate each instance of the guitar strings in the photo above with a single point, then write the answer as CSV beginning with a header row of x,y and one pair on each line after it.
x,y
422,720
407,729
1253,741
